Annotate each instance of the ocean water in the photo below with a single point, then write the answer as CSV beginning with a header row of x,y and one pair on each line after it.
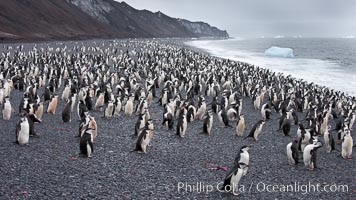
x,y
324,61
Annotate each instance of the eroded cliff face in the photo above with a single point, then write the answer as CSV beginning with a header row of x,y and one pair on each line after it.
x,y
98,9
203,29
47,19
78,19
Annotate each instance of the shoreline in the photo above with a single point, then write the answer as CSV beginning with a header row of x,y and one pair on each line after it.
x,y
286,74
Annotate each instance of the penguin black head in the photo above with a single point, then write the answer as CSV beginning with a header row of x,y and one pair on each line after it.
x,y
243,165
23,118
245,148
301,126
23,113
89,131
34,118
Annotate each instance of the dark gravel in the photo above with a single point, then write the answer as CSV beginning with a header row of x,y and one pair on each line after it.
x,y
50,168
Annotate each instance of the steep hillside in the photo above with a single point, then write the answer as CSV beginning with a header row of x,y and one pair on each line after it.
x,y
78,19
46,19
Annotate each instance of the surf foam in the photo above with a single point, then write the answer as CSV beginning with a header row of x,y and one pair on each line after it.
x,y
318,71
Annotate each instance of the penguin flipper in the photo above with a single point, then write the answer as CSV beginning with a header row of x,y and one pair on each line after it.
x,y
295,157
18,129
237,159
91,146
247,137
228,125
231,172
332,144
226,183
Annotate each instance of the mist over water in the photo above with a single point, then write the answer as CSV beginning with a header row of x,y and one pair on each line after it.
x,y
330,62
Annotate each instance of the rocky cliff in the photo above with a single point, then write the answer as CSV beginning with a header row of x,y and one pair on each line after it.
x,y
80,19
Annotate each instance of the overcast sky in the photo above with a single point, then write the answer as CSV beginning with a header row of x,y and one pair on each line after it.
x,y
243,18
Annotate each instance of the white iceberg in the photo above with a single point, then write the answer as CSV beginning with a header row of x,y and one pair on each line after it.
x,y
349,37
279,52
278,36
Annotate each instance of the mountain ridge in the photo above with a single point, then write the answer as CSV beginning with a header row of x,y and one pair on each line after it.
x,y
85,19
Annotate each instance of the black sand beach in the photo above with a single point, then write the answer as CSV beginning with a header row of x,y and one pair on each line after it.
x,y
50,168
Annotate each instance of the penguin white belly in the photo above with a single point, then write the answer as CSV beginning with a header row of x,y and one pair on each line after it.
x,y
326,141
93,125
128,108
151,127
257,103
184,128
290,154
99,102
6,112
299,134
323,127
117,109
1,96
145,143
220,118
231,98
142,124
347,147
7,89
305,142
257,132
353,119
231,113
149,98
245,158
39,112
81,95
24,134
240,128
305,107
208,93
73,102
78,110
210,125
172,107
147,116
164,99
307,155
65,94
109,111
89,151
235,180
50,106
263,113
201,111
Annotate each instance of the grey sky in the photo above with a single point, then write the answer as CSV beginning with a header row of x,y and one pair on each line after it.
x,y
257,18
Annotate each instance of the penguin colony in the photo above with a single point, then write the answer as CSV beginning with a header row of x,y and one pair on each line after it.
x,y
189,87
